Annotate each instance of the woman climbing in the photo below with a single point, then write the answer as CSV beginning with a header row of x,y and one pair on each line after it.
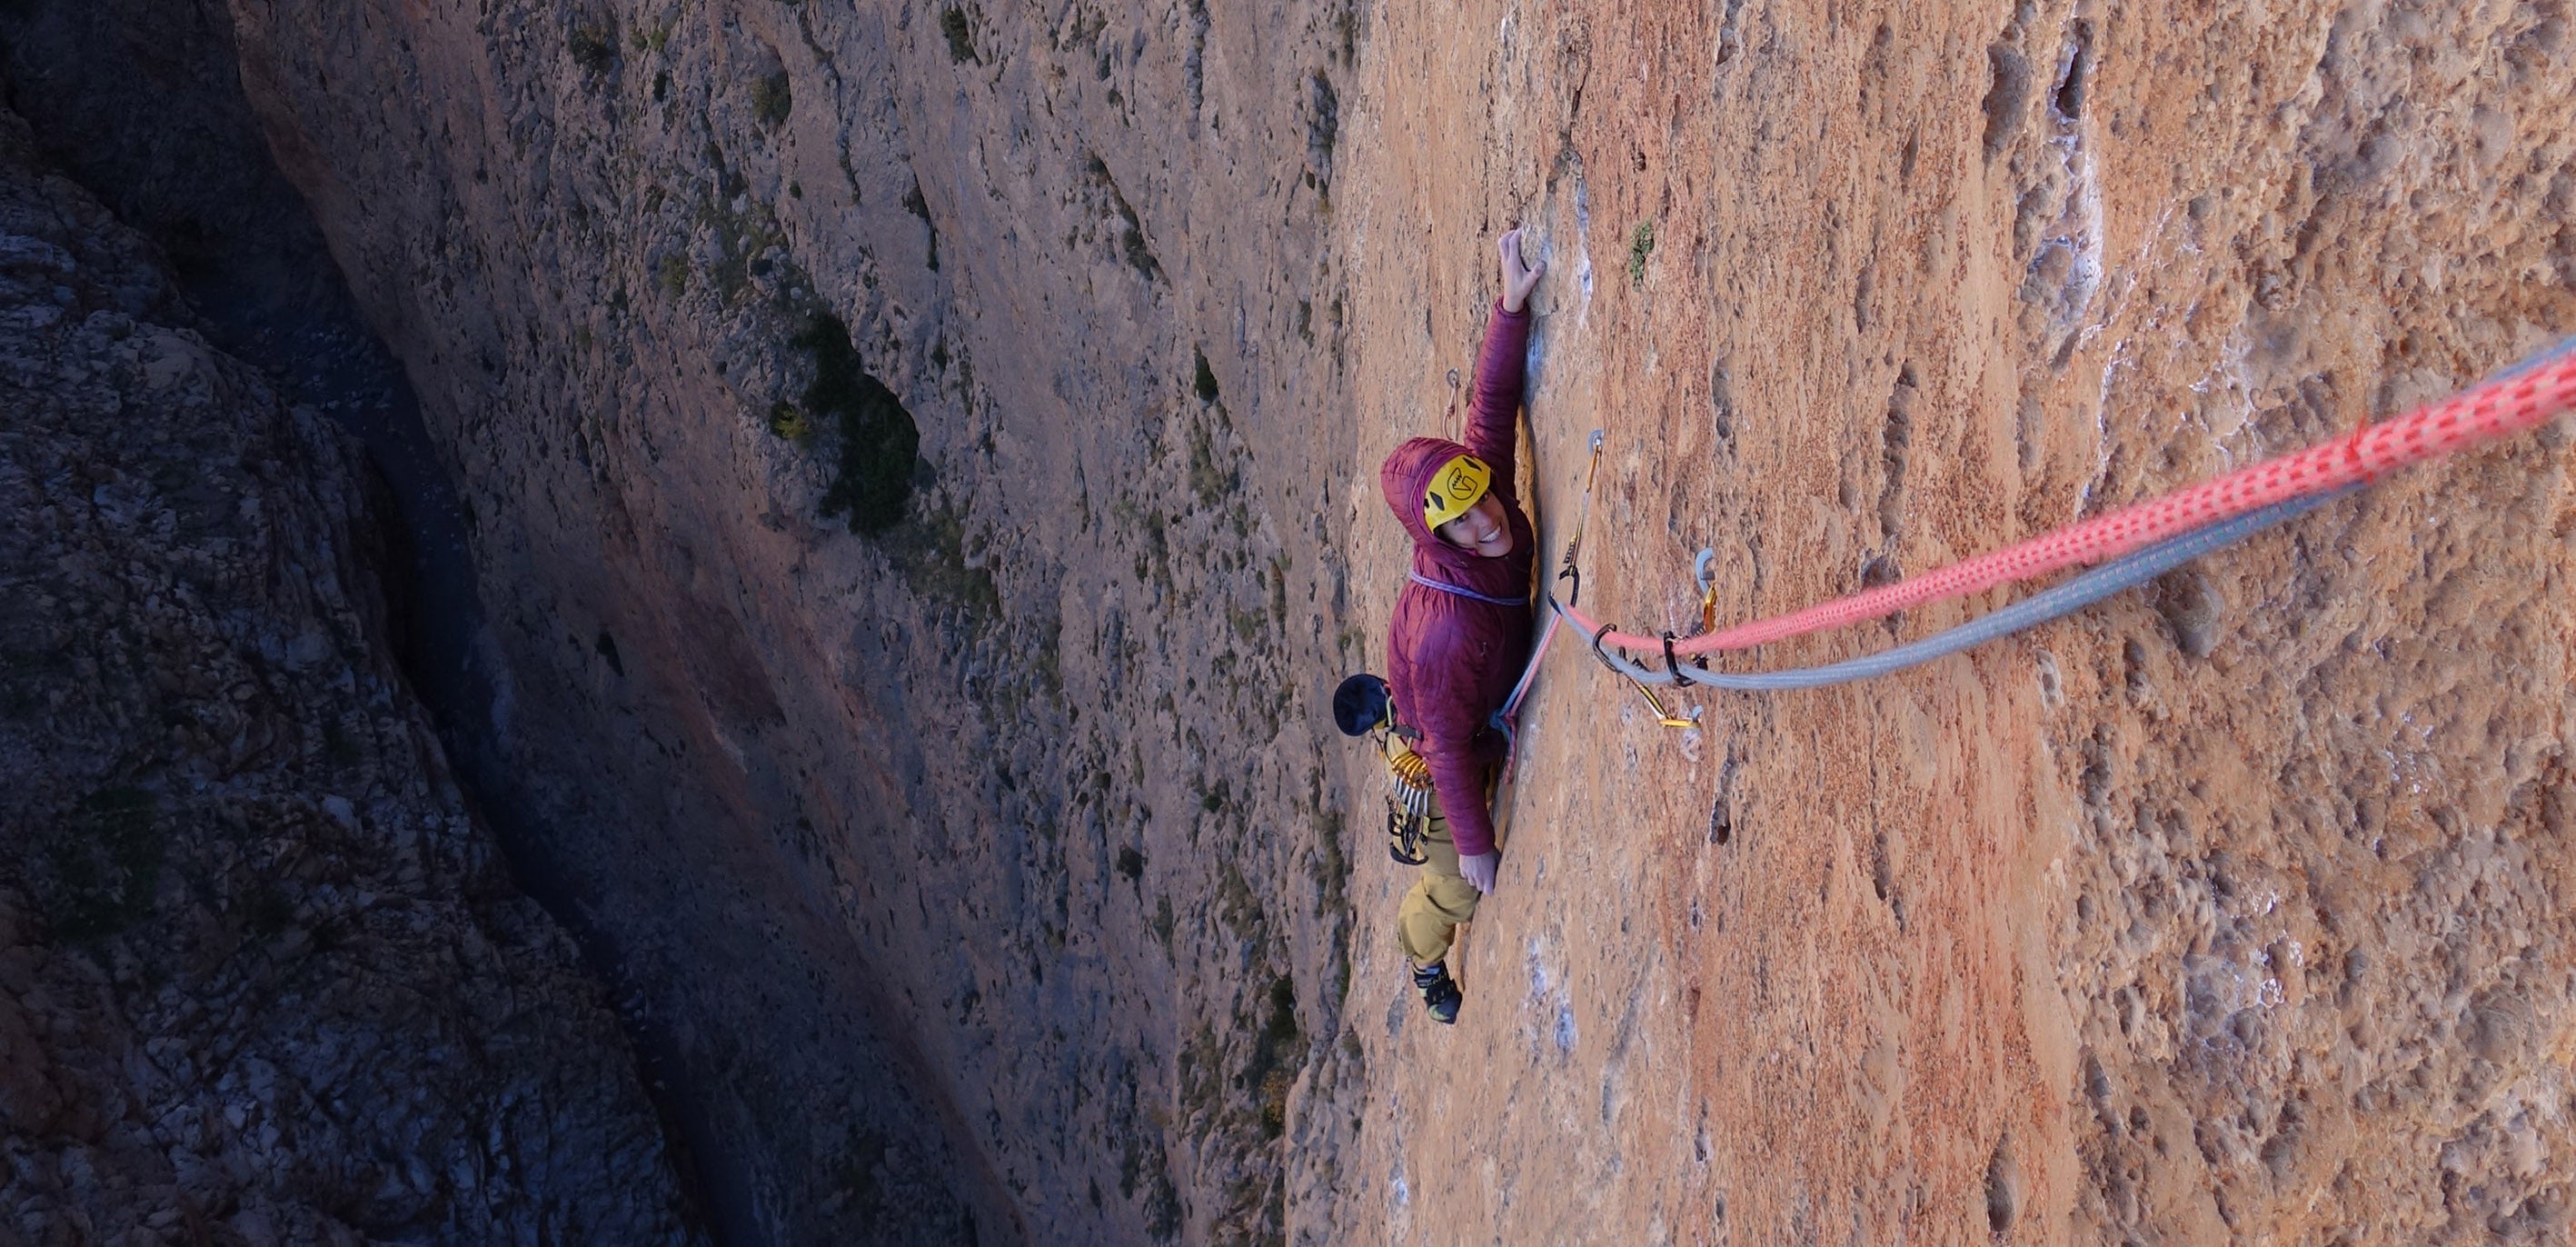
x,y
1461,633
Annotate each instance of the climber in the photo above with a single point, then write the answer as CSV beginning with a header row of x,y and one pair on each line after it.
x,y
1460,635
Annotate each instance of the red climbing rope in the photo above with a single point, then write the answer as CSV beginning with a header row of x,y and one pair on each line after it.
x,y
2506,405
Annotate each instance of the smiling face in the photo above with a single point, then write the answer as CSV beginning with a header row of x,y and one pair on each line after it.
x,y
1482,531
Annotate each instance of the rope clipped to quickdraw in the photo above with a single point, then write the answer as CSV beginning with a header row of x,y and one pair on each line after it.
x,y
2531,393
2128,572
1566,567
1506,719
1637,676
2140,542
1663,717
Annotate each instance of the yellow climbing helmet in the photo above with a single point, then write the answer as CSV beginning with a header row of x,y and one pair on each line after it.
x,y
1456,486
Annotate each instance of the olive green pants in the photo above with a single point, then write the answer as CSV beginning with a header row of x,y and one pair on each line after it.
x,y
1439,900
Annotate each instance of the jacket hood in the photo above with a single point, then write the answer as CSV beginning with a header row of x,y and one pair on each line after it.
x,y
1407,473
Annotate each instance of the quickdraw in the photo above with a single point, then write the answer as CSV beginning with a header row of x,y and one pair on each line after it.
x,y
1566,568
1704,570
1663,716
1408,807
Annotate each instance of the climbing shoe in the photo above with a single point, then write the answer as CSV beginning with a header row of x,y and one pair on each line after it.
x,y
1440,992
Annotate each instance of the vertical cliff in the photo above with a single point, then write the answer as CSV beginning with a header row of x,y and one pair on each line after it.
x,y
1003,822
919,464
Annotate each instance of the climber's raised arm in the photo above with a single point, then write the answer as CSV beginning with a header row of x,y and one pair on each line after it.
x,y
1501,365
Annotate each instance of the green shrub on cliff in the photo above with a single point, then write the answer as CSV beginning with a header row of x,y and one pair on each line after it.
x,y
770,99
872,480
593,45
961,40
789,421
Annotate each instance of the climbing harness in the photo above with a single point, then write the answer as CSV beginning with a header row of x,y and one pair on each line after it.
x,y
1446,587
2142,541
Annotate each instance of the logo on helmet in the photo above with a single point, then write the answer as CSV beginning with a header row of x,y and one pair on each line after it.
x,y
1458,485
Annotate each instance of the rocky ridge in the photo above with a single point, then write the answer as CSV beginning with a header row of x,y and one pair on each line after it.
x,y
266,979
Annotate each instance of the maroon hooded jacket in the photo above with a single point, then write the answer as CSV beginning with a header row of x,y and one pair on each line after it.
x,y
1452,657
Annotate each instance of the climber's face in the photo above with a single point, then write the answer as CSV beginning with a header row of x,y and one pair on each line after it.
x,y
1481,531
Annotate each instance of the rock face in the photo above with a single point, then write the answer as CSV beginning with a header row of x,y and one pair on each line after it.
x,y
2224,911
880,424
1009,820
263,978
